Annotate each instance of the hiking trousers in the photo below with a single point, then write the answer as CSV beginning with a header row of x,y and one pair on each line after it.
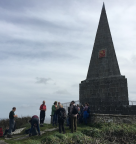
x,y
61,126
73,124
42,116
11,126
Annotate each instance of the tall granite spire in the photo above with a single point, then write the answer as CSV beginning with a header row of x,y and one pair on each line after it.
x,y
104,84
103,62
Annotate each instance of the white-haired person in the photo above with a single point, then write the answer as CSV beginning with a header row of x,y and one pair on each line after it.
x,y
61,113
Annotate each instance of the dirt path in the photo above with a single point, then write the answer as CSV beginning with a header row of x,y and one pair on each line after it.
x,y
20,137
3,142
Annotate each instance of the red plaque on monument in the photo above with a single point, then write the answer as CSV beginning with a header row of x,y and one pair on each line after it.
x,y
102,53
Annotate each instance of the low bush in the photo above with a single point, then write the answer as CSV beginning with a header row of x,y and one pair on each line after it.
x,y
20,122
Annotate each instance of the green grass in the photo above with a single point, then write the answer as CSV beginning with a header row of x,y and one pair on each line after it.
x,y
91,134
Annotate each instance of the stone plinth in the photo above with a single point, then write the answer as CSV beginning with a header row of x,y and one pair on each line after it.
x,y
104,91
106,118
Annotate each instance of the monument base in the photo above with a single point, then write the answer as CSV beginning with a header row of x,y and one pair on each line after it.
x,y
105,91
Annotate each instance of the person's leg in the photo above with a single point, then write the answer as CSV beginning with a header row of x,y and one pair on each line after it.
x,y
56,119
40,117
75,124
53,119
63,129
14,127
72,124
69,122
11,126
31,129
43,116
6,131
59,127
37,125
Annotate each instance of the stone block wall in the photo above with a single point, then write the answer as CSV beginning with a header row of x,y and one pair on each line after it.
x,y
104,91
106,118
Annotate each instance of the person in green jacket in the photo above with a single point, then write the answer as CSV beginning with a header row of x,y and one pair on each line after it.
x,y
54,108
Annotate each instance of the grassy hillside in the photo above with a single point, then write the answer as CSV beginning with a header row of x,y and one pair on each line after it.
x,y
94,134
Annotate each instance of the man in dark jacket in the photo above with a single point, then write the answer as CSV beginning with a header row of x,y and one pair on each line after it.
x,y
11,122
34,123
61,118
73,115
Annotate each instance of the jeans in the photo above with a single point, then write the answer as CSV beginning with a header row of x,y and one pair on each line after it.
x,y
35,123
42,116
11,125
85,116
54,119
6,131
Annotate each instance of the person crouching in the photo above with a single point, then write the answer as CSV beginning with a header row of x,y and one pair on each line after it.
x,y
34,123
61,112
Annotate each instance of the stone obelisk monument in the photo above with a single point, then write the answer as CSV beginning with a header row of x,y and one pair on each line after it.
x,y
104,84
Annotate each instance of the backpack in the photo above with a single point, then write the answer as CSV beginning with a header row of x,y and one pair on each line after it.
x,y
62,114
75,110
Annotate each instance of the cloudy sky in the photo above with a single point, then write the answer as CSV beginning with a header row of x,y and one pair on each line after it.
x,y
46,45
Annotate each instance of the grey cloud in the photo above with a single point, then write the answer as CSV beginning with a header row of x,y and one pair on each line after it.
x,y
26,106
62,92
42,80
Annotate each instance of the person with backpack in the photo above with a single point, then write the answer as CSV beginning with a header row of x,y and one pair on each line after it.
x,y
61,113
11,121
42,113
73,115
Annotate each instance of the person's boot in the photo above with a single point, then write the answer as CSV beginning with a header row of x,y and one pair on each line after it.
x,y
30,135
9,136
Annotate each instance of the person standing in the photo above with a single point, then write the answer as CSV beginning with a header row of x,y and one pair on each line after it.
x,y
11,121
34,123
54,108
69,115
73,114
42,113
61,113
85,114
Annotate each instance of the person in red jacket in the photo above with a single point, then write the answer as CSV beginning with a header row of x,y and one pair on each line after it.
x,y
42,113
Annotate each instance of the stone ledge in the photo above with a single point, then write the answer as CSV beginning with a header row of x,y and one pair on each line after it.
x,y
113,115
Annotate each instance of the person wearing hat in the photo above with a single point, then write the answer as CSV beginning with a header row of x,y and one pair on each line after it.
x,y
61,113
54,108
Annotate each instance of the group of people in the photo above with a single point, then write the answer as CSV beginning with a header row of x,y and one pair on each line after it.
x,y
75,113
34,121
59,115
